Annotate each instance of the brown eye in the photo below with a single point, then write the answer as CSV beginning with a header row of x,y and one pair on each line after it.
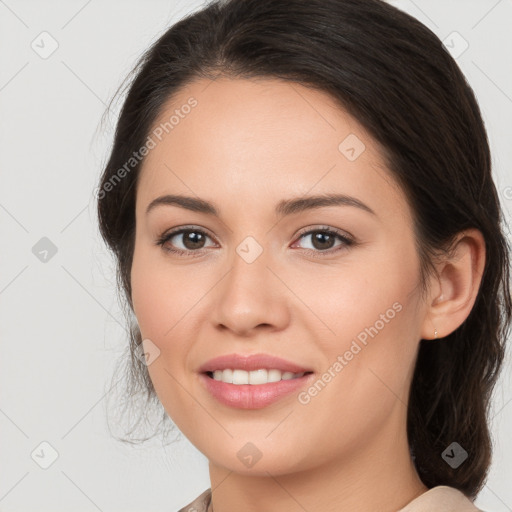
x,y
323,240
184,240
192,239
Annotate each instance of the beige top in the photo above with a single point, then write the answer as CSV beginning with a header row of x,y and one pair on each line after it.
x,y
438,499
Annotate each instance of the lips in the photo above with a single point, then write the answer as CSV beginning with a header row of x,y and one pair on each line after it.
x,y
251,363
256,394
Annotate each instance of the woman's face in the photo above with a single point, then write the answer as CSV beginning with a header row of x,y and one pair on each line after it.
x,y
271,272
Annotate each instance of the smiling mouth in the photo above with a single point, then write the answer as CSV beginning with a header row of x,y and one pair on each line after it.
x,y
254,377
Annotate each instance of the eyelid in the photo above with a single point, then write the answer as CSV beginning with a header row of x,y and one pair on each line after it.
x,y
347,241
346,238
188,227
322,228
167,235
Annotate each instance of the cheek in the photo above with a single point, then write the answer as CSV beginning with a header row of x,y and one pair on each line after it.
x,y
160,302
161,296
347,301
166,304
367,371
149,296
371,318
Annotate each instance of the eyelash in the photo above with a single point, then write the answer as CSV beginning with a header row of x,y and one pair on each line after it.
x,y
347,241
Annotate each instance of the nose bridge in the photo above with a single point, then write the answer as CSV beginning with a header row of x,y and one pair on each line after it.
x,y
249,295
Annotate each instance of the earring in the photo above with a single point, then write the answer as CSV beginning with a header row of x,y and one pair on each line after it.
x,y
435,334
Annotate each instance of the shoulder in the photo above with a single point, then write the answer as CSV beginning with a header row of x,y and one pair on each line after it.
x,y
441,498
200,504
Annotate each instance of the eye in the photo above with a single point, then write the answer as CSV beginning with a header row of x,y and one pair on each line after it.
x,y
323,240
192,240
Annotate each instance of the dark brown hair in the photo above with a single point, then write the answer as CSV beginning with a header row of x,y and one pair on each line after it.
x,y
395,77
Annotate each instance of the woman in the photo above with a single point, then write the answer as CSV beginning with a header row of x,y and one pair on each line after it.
x,y
300,202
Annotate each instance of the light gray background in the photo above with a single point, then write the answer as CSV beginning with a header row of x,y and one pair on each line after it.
x,y
61,327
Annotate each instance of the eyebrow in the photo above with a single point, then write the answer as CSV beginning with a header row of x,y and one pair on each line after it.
x,y
284,208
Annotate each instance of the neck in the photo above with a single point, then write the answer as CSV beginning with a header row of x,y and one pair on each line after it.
x,y
378,476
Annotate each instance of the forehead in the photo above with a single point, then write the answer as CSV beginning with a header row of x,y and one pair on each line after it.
x,y
262,139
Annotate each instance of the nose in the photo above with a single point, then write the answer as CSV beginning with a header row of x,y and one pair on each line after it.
x,y
250,297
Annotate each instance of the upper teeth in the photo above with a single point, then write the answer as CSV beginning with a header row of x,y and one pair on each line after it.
x,y
262,376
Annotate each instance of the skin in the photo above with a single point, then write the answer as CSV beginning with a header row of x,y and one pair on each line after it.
x,y
247,145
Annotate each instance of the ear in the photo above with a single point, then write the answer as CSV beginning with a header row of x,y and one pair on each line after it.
x,y
454,290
